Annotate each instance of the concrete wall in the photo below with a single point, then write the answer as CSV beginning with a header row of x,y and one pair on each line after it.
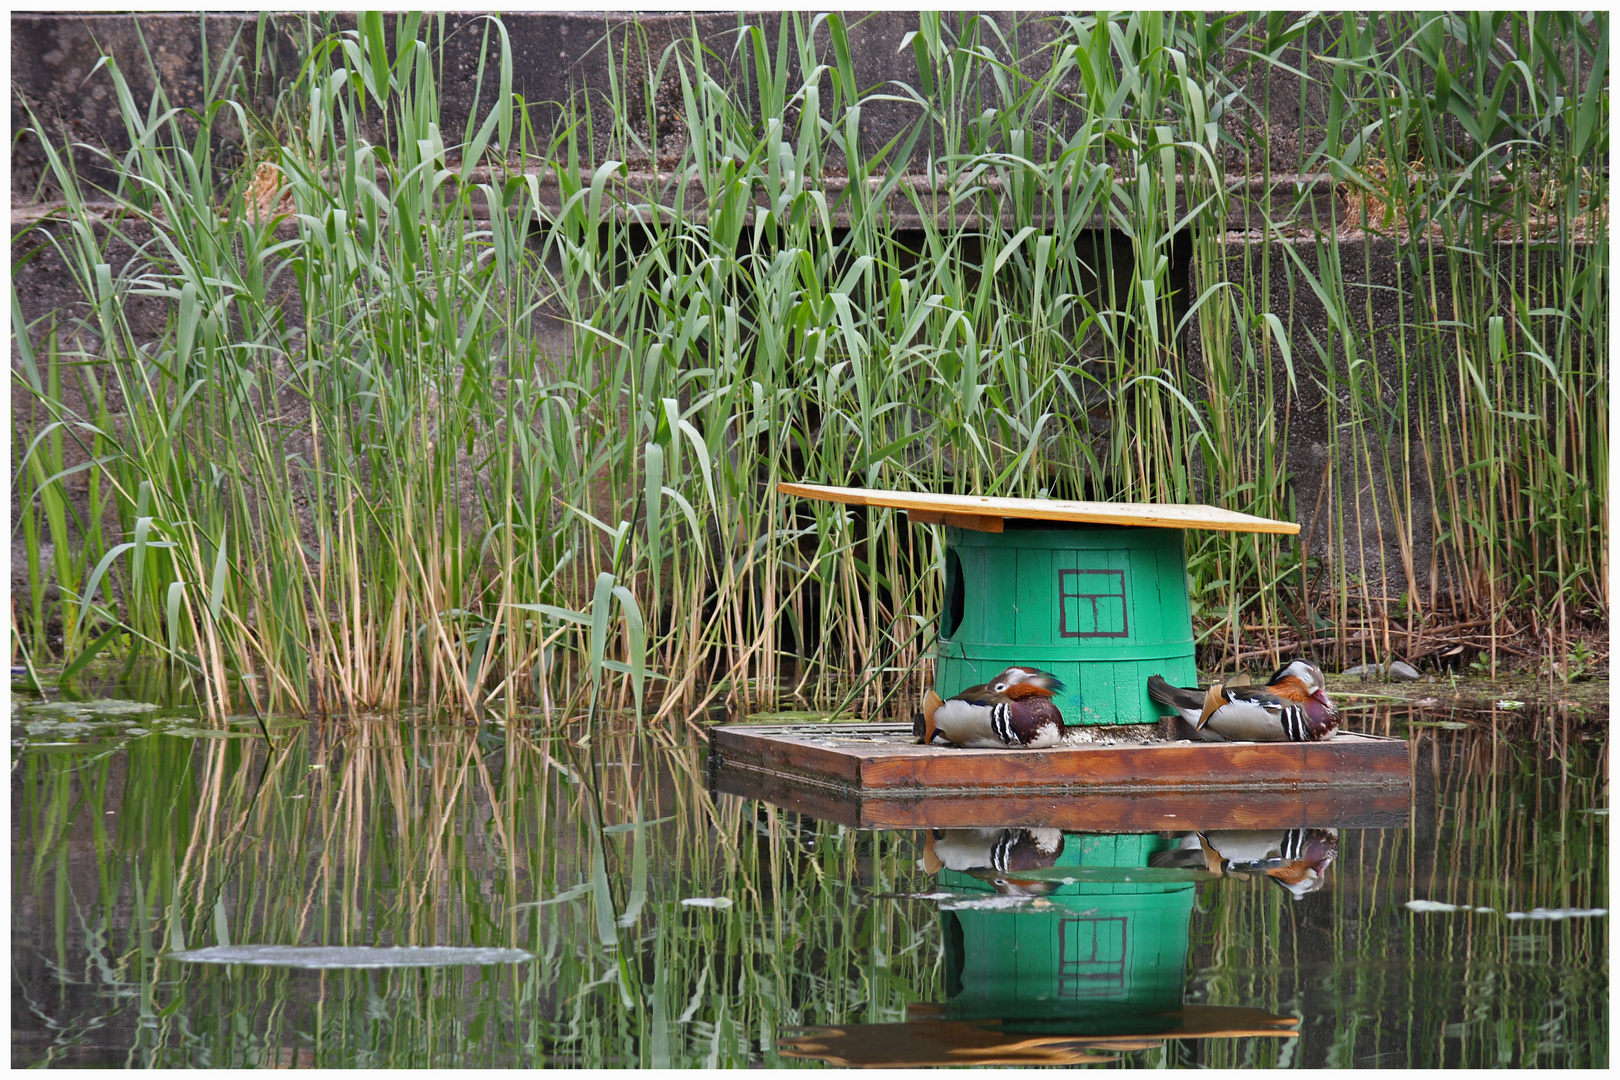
x,y
558,54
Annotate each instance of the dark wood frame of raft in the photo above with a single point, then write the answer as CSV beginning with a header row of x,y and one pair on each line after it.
x,y
1154,811
1126,784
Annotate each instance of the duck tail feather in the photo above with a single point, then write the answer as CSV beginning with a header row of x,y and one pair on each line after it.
x,y
1173,696
931,703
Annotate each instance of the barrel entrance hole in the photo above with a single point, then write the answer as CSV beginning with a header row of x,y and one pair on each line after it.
x,y
951,613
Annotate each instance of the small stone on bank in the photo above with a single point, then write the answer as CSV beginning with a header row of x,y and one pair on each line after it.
x,y
1399,670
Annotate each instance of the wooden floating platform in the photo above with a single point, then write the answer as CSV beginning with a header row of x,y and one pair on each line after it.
x,y
876,776
1317,808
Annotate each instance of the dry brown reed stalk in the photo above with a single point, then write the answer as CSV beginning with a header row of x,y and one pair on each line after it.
x,y
489,402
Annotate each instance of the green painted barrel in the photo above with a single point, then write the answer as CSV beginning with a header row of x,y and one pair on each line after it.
x,y
1090,959
1100,607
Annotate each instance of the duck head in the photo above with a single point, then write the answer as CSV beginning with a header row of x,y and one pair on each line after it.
x,y
1308,873
1018,682
1309,677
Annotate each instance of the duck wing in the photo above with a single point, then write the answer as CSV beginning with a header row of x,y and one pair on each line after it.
x,y
979,695
1254,714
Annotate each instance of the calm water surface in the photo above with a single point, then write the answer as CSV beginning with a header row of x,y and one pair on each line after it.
x,y
659,922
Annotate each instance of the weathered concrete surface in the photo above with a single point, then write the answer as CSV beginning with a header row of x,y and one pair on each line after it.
x,y
607,57
1389,535
56,79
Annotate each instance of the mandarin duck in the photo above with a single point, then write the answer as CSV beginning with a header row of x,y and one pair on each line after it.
x,y
1296,859
995,855
1013,710
1291,707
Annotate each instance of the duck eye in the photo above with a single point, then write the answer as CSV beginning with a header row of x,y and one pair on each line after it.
x,y
1000,687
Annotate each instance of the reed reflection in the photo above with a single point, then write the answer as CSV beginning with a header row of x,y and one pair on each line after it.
x,y
128,850
1296,859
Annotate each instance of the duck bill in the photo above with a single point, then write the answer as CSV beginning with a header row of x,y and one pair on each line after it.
x,y
931,703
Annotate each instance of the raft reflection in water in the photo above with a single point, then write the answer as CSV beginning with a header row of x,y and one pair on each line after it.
x,y
1061,948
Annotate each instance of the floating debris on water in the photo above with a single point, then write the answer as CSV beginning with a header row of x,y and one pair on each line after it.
x,y
1533,913
62,722
67,728
1558,913
98,707
998,902
1436,905
352,956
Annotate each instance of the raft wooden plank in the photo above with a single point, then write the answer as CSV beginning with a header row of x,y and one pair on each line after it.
x,y
1324,808
1193,1022
1155,515
880,758
787,757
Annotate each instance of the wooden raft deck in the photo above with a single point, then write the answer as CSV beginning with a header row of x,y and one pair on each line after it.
x,y
876,776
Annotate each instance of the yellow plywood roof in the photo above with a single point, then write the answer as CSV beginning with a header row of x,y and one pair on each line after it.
x,y
1156,515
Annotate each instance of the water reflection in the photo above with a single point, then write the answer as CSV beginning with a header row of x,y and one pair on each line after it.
x,y
995,855
674,926
1063,946
1060,946
1296,859
1091,959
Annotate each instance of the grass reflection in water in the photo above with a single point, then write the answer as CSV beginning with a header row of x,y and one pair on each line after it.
x,y
126,850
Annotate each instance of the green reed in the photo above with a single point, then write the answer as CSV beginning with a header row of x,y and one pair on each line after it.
x,y
1508,824
410,831
489,416
420,834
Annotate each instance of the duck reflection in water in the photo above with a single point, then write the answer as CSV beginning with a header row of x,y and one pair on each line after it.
x,y
1001,852
1088,961
1296,859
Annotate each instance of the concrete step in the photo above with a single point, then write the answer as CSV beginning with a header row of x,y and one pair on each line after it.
x,y
58,76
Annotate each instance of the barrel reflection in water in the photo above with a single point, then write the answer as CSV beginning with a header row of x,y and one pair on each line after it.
x,y
1064,948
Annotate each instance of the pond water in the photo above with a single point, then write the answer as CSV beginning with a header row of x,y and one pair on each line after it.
x,y
489,898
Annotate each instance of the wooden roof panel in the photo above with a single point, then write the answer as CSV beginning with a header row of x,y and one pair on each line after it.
x,y
1151,515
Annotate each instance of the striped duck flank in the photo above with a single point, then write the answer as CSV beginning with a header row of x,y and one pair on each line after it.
x,y
1013,710
996,856
1293,706
1296,859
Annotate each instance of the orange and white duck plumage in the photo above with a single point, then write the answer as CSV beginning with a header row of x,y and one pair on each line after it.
x,y
1013,710
1293,706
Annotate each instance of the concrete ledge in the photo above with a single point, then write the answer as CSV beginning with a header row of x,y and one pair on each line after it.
x,y
564,56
